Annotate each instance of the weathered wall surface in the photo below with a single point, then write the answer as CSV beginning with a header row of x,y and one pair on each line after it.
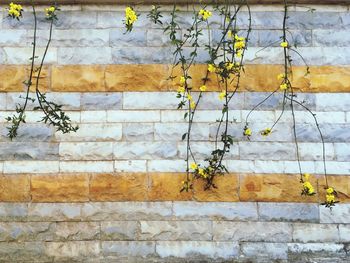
x,y
110,192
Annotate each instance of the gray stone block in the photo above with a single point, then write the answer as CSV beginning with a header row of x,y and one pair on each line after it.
x,y
28,132
305,233
135,38
264,250
28,151
174,132
73,251
288,212
333,101
75,231
128,248
335,132
339,214
175,230
21,232
295,37
54,212
150,100
314,20
252,231
342,151
267,151
13,212
101,101
23,252
141,55
145,150
204,251
84,55
138,132
107,211
76,20
340,38
119,230
13,37
215,211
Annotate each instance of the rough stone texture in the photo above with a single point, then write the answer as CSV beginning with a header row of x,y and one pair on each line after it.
x,y
175,230
339,214
119,230
288,212
121,187
265,250
252,231
101,101
62,188
216,211
14,188
305,233
267,188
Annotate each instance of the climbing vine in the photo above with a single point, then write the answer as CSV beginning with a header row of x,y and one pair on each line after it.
x,y
224,67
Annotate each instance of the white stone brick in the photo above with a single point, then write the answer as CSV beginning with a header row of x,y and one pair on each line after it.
x,y
306,117
339,214
266,151
128,248
133,116
189,249
314,151
138,131
144,150
150,100
215,211
84,55
240,166
119,230
3,101
72,249
259,116
344,232
31,167
252,231
93,116
175,131
166,166
202,150
86,151
268,166
342,168
315,248
332,101
265,250
36,116
342,151
54,212
13,37
21,55
94,132
305,233
293,167
175,230
1,167
130,166
86,166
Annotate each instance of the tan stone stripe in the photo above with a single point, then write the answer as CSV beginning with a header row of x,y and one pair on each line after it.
x,y
109,78
161,187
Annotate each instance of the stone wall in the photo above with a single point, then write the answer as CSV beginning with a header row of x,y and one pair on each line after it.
x,y
110,192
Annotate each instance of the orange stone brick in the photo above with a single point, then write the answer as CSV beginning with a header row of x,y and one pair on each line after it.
x,y
137,78
78,78
340,183
44,79
60,188
274,188
118,187
330,78
12,78
166,187
226,191
14,188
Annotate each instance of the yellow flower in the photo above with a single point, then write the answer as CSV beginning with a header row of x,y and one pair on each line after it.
x,y
204,13
189,97
284,44
193,166
130,16
229,34
229,65
280,76
308,186
14,10
182,80
222,95
239,39
330,198
181,89
203,88
265,132
211,68
330,190
247,132
49,11
306,177
240,45
192,105
283,86
239,53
